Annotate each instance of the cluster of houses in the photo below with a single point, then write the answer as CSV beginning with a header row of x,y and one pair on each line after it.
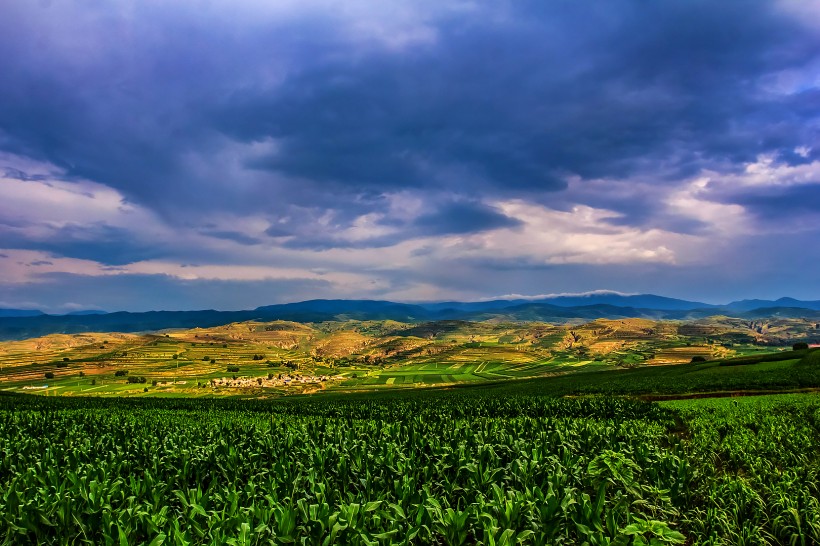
x,y
281,380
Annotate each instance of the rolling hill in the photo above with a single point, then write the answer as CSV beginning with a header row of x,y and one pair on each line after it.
x,y
17,324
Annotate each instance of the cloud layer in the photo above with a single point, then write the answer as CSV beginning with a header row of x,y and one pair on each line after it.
x,y
409,150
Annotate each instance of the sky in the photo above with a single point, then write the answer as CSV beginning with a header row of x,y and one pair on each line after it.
x,y
229,154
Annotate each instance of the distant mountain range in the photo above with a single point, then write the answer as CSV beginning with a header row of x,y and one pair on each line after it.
x,y
21,324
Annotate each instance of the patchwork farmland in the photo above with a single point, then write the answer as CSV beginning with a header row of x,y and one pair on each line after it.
x,y
273,358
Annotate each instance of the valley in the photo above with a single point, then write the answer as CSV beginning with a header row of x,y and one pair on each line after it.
x,y
281,357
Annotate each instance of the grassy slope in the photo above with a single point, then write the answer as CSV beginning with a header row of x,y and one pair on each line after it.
x,y
789,370
386,355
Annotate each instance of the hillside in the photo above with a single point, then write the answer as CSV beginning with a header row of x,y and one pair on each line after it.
x,y
290,356
561,310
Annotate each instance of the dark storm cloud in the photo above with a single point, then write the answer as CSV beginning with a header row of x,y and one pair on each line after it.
x,y
449,217
508,101
311,121
102,243
462,217
19,174
781,205
235,236
620,89
648,217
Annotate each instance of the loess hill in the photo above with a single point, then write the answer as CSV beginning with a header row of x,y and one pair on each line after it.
x,y
259,358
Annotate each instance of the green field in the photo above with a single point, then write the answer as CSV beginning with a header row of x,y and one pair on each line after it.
x,y
473,437
410,467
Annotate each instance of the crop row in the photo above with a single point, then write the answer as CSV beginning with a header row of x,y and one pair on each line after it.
x,y
421,469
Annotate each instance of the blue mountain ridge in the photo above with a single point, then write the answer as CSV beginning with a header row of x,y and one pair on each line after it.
x,y
569,308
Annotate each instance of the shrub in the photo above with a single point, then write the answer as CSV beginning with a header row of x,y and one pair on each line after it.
x,y
154,383
800,346
270,376
206,358
93,381
66,359
175,356
233,368
698,358
49,375
121,373
259,380
62,364
145,389
136,379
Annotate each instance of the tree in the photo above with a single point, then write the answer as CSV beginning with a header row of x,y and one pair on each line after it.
x,y
698,358
49,375
800,346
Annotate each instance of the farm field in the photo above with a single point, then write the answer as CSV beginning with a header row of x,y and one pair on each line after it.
x,y
785,371
410,467
568,457
284,358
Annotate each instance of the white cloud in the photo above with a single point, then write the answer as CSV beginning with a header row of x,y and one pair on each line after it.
x,y
40,203
560,295
767,172
27,266
580,235
31,266
692,201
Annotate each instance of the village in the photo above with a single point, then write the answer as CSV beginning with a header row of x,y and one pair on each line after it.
x,y
272,380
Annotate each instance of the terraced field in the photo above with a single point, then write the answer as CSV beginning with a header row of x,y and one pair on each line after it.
x,y
286,358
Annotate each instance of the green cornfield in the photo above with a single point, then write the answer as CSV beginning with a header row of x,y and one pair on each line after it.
x,y
422,468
